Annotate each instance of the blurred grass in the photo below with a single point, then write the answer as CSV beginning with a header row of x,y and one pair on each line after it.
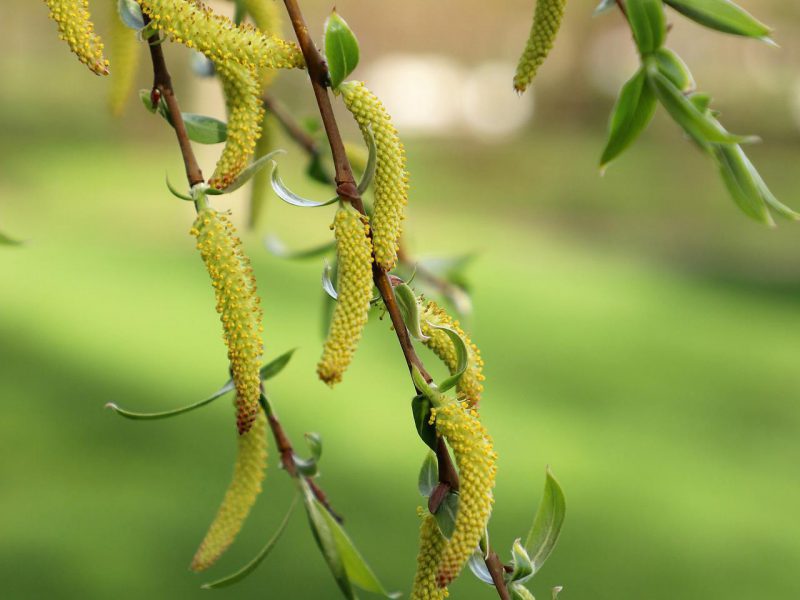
x,y
639,335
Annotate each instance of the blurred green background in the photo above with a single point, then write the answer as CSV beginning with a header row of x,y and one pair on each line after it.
x,y
640,334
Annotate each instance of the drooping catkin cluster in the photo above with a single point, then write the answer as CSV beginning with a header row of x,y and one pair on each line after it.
x,y
248,474
546,23
475,459
125,52
76,28
431,547
245,115
351,313
470,386
238,305
391,177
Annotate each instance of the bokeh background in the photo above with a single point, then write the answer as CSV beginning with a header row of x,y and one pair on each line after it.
x,y
640,334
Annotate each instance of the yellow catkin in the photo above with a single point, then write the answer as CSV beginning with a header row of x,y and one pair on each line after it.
x,y
125,52
350,315
431,547
475,459
245,115
391,177
470,386
248,475
238,305
546,23
76,28
193,24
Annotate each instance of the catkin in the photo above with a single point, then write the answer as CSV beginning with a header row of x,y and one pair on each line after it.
x,y
245,115
248,475
546,23
475,458
238,305
124,50
431,546
193,24
470,386
350,315
391,177
76,28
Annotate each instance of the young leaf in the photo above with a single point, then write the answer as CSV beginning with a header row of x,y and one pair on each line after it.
x,y
147,100
259,558
478,567
649,24
673,68
341,49
520,592
288,196
421,409
604,6
278,248
632,114
314,443
737,174
428,475
520,562
205,130
250,171
546,528
327,282
139,416
130,13
698,125
462,354
275,366
174,191
407,301
722,15
446,515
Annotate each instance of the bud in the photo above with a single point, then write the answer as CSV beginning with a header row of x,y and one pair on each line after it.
x,y
248,475
391,177
76,28
124,50
350,315
431,546
475,458
546,23
470,386
238,305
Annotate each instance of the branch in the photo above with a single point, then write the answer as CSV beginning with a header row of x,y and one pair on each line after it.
x,y
347,191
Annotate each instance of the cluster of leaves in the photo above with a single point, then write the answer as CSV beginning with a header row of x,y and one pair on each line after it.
x,y
664,78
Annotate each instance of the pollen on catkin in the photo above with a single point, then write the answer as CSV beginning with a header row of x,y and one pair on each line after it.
x,y
476,462
354,283
431,547
546,23
245,114
193,24
248,474
470,386
238,305
391,177
125,52
76,28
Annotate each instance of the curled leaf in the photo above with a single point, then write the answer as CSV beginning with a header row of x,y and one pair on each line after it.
x,y
543,536
428,475
722,15
341,49
631,115
649,24
409,307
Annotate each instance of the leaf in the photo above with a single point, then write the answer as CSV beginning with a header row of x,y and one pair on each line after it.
x,y
240,11
327,283
288,196
604,6
275,366
174,191
341,49
309,467
407,301
316,170
147,100
520,562
421,409
649,24
446,515
250,171
478,567
428,475
139,416
546,528
276,247
698,125
259,558
631,115
314,442
673,68
520,592
201,65
462,354
130,13
205,130
8,241
722,15
737,174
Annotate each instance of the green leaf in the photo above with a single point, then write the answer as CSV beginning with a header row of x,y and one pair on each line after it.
x,y
240,11
288,196
631,115
205,130
701,101
673,68
446,515
174,191
327,282
698,125
722,15
421,409
259,558
341,49
520,562
139,416
737,174
649,24
428,475
250,171
130,13
477,565
462,355
147,100
314,443
604,6
316,170
275,366
276,247
520,592
546,528
8,241
409,308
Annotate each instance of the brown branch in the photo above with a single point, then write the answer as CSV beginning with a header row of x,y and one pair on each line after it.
x,y
347,191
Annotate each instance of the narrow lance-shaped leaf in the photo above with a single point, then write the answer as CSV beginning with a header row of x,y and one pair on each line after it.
x,y
462,354
736,173
673,68
648,23
546,528
421,409
446,515
341,49
603,7
130,13
521,563
722,15
407,301
428,475
632,114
